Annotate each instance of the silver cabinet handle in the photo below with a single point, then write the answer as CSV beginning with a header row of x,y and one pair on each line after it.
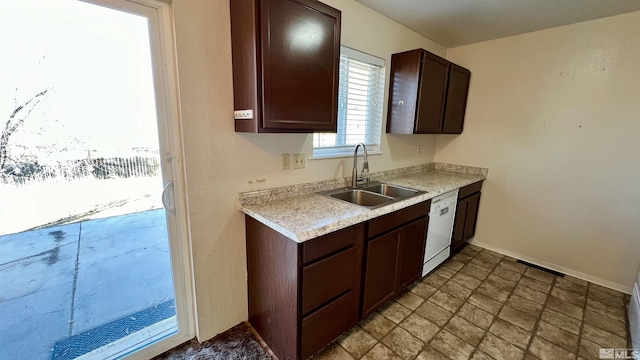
x,y
167,201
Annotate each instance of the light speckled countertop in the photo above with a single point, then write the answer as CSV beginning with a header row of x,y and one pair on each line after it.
x,y
308,215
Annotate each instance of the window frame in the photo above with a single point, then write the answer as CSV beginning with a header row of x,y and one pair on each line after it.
x,y
344,150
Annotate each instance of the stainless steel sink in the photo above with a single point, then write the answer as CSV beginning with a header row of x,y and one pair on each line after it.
x,y
362,198
392,190
373,196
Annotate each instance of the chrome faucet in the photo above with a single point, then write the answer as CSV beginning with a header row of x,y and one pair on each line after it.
x,y
365,165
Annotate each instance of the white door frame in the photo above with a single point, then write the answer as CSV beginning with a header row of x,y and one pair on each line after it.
x,y
163,56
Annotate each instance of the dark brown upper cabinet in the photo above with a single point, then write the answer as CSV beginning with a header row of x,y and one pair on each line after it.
x,y
427,94
286,56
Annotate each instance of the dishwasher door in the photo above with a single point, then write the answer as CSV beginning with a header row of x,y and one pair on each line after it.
x,y
443,210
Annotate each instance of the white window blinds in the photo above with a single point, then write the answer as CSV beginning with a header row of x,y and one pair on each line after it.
x,y
360,97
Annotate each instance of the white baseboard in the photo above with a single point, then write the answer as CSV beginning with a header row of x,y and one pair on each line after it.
x,y
580,275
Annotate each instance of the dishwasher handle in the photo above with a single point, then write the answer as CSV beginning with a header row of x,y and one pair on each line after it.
x,y
440,211
443,204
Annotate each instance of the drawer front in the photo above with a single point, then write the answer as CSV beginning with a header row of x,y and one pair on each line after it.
x,y
326,279
470,189
327,244
395,219
326,324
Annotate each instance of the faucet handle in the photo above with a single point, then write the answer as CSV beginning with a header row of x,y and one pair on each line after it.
x,y
363,180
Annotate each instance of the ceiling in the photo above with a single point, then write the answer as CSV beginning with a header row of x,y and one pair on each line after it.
x,y
459,22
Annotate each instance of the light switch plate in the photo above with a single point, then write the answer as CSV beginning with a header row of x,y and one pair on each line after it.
x,y
298,161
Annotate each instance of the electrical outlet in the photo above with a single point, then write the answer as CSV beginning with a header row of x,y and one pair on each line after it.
x,y
419,150
243,114
298,161
286,161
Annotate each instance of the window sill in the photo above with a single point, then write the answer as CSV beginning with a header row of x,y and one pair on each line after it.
x,y
345,155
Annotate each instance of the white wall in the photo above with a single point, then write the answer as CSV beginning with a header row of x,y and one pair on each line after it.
x,y
220,163
555,116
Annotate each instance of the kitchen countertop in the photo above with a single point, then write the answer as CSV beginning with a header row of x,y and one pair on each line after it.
x,y
305,216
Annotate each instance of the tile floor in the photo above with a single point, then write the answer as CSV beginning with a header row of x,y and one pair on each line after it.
x,y
482,305
477,305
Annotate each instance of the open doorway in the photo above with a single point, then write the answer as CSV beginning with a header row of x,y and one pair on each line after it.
x,y
92,264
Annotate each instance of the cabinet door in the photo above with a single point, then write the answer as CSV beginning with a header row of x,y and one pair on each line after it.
x,y
464,225
411,245
300,64
403,91
457,91
432,94
380,269
457,238
471,216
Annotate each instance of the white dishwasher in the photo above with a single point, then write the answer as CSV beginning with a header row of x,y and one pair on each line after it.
x,y
441,215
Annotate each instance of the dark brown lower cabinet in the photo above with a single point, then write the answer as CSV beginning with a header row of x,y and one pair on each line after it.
x,y
394,259
303,295
464,225
393,262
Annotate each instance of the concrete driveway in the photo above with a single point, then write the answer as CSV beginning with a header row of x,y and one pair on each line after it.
x,y
64,280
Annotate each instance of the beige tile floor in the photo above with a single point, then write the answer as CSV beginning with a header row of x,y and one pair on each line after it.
x,y
482,305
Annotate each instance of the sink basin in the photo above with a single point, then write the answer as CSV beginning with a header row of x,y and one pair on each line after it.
x,y
392,190
373,196
362,198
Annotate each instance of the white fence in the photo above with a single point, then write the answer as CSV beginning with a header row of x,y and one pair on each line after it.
x,y
146,164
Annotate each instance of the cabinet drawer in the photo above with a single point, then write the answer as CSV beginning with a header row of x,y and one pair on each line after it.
x,y
395,219
327,244
326,324
470,189
326,279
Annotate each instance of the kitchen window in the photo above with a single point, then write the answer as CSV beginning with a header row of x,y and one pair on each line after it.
x,y
360,94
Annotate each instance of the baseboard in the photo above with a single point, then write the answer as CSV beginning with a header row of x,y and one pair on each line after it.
x,y
580,275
